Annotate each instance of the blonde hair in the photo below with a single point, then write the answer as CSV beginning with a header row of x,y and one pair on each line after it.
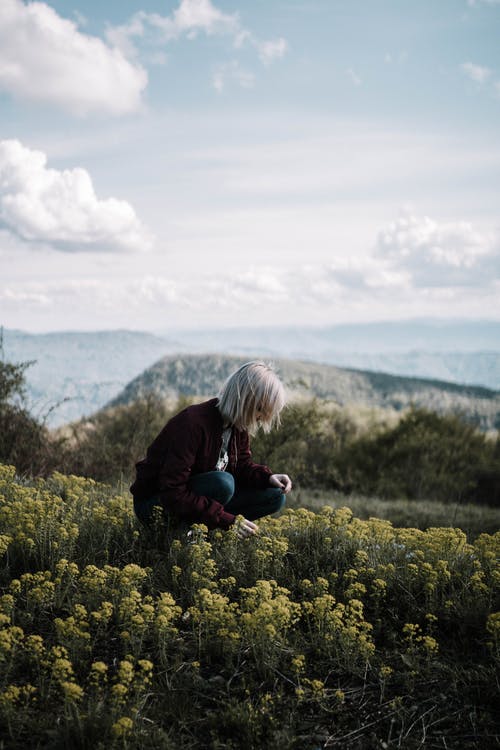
x,y
253,388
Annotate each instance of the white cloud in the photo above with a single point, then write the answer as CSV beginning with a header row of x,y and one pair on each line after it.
x,y
359,290
60,208
231,291
194,15
271,50
45,58
477,73
24,296
191,18
482,76
391,58
439,254
355,79
231,72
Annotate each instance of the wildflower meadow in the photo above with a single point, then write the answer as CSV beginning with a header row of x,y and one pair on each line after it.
x,y
322,631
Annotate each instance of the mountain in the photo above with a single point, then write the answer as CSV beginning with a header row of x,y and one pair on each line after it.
x,y
76,373
321,343
465,352
202,375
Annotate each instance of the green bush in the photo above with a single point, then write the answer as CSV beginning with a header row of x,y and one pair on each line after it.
x,y
426,455
308,443
106,446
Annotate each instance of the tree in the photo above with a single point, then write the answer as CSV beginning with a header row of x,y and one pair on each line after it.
x,y
24,441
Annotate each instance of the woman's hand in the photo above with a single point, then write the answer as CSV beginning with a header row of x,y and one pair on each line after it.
x,y
245,528
282,481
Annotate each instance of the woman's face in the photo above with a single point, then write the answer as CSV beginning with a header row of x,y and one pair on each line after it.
x,y
262,413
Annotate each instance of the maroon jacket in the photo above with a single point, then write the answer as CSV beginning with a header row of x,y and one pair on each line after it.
x,y
189,444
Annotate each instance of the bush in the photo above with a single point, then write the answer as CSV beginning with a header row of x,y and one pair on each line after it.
x,y
307,445
425,456
106,446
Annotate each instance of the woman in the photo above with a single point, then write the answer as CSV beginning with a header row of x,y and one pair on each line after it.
x,y
199,468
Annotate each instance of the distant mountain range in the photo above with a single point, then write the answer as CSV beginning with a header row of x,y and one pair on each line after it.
x,y
203,374
320,342
76,373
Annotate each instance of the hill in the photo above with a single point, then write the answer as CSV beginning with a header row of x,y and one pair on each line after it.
x,y
202,375
76,373
466,352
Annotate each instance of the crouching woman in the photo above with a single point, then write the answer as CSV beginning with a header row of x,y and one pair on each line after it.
x,y
199,469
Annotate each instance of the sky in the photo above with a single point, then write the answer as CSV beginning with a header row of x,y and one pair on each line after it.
x,y
171,164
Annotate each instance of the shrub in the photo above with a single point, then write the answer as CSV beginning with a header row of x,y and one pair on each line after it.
x,y
106,446
425,456
308,443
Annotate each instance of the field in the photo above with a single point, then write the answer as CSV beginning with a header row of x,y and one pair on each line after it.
x,y
324,631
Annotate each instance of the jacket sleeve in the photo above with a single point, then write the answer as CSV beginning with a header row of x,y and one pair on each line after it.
x,y
180,448
247,472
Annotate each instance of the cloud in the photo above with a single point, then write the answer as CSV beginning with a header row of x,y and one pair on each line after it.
x,y
45,58
60,208
475,3
231,72
271,50
439,254
482,76
194,15
232,291
355,79
24,297
191,18
477,73
360,289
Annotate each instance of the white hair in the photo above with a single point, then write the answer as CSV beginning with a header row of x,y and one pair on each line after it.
x,y
252,396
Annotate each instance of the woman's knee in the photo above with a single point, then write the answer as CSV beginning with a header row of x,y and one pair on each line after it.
x,y
218,485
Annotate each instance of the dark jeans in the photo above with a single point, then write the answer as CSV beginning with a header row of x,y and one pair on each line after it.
x,y
220,486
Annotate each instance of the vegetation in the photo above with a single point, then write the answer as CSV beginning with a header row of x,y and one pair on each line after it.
x,y
107,446
24,440
417,455
424,455
322,631
471,518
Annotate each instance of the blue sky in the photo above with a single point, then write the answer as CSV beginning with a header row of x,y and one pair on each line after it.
x,y
197,163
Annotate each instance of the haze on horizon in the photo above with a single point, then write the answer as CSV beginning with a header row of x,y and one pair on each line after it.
x,y
197,163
